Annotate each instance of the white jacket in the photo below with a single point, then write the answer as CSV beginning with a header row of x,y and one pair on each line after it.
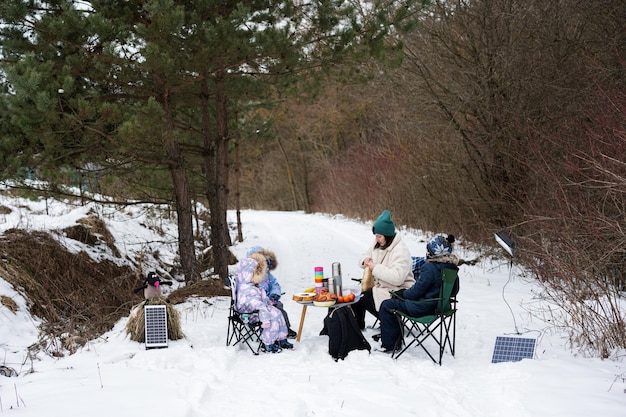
x,y
392,271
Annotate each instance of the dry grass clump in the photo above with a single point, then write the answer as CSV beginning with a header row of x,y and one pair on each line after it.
x,y
93,229
207,259
82,234
77,297
135,327
71,292
9,303
205,288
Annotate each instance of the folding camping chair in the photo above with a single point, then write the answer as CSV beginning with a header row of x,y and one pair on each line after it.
x,y
240,328
439,326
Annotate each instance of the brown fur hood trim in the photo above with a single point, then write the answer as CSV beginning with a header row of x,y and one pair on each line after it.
x,y
260,271
270,256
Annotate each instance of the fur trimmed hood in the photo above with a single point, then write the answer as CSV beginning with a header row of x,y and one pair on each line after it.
x,y
260,270
270,256
451,258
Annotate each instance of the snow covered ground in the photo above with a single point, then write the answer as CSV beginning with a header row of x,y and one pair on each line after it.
x,y
201,376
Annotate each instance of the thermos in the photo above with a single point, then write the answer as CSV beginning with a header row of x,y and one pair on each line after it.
x,y
337,278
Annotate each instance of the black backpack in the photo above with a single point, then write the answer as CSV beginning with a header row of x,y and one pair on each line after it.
x,y
343,333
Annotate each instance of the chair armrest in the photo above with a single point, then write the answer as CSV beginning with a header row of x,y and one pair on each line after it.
x,y
426,300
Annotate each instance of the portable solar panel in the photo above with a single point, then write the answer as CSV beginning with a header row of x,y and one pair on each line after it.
x,y
506,242
513,349
156,326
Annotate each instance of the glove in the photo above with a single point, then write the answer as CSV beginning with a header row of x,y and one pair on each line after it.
x,y
265,325
274,298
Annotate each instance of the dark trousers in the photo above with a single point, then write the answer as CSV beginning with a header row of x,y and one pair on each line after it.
x,y
279,305
390,330
366,303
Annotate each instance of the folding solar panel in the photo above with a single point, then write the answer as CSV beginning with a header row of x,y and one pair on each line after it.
x,y
513,349
156,326
506,242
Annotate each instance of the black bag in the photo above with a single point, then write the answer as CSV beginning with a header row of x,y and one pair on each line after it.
x,y
343,333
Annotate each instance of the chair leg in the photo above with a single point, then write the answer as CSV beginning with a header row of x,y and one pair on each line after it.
x,y
450,333
232,331
419,335
243,333
251,335
453,347
442,339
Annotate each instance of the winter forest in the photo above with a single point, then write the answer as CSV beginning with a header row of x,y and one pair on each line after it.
x,y
462,117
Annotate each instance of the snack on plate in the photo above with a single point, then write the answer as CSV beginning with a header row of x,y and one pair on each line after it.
x,y
325,296
304,296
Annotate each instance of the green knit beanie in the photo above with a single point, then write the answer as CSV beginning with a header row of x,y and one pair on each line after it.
x,y
384,225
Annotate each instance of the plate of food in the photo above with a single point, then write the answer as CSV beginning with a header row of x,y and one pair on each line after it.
x,y
304,297
324,299
324,303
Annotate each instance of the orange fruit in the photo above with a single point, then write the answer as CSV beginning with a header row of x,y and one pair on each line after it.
x,y
340,299
349,298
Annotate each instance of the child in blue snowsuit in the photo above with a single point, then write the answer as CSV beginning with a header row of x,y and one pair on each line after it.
x,y
251,297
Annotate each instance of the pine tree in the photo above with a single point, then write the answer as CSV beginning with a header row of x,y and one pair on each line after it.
x,y
145,85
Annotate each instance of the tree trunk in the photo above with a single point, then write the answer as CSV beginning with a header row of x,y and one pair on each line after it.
x,y
292,185
216,166
209,161
237,192
305,176
180,182
219,220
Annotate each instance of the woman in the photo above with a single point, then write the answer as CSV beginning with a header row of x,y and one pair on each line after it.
x,y
390,261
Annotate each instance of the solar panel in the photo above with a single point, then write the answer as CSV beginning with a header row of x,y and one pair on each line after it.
x,y
506,242
513,349
156,326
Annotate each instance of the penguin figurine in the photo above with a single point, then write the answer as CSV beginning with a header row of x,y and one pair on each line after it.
x,y
152,286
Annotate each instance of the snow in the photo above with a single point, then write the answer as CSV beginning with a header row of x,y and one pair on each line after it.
x,y
199,375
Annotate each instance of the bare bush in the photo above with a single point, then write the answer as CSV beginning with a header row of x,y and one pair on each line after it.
x,y
77,297
579,245
518,120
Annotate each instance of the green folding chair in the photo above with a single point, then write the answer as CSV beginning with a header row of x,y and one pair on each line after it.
x,y
439,326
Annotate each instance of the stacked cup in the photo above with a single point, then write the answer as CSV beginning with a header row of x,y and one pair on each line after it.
x,y
319,279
